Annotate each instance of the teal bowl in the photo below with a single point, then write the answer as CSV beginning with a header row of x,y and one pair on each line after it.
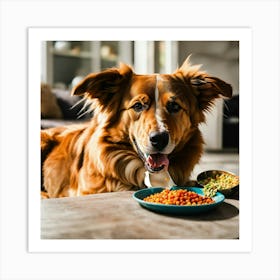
x,y
176,209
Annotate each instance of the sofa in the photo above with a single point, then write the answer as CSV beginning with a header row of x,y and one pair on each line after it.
x,y
59,108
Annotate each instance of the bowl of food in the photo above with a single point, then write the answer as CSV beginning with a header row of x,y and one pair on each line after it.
x,y
177,200
224,182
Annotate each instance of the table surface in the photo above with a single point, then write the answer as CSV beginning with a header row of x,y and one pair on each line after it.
x,y
118,216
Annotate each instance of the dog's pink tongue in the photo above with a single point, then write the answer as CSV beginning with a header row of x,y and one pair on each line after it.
x,y
157,160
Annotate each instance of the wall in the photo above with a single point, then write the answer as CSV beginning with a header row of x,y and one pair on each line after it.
x,y
221,59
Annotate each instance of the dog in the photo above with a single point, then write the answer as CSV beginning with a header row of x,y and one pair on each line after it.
x,y
144,132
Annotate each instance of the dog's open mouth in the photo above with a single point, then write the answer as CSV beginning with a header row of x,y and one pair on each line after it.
x,y
156,162
153,162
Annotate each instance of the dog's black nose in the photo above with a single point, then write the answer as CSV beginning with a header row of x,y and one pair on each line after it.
x,y
159,140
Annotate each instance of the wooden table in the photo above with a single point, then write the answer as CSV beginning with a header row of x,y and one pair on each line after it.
x,y
119,216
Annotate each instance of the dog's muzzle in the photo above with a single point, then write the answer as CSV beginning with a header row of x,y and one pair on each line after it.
x,y
156,161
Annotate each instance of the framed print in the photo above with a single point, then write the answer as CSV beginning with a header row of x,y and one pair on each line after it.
x,y
48,49
53,54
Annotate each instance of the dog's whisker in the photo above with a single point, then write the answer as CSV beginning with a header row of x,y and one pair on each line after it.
x,y
77,103
85,109
226,111
226,106
89,110
82,114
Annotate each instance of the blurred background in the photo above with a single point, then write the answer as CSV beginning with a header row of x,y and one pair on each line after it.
x,y
65,63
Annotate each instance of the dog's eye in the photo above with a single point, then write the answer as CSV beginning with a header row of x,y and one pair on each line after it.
x,y
173,107
138,107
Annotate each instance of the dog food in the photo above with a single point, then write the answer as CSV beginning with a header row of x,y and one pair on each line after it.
x,y
218,182
178,197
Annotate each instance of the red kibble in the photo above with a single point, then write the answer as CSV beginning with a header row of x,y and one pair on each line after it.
x,y
178,197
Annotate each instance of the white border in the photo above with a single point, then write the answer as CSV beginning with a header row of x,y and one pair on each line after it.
x,y
262,16
243,35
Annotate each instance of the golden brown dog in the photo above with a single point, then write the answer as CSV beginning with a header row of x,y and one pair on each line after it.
x,y
141,123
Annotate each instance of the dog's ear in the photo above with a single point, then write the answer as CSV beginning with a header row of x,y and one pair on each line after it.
x,y
208,88
105,84
205,87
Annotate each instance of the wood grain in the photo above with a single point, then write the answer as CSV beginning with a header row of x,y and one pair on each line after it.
x,y
118,216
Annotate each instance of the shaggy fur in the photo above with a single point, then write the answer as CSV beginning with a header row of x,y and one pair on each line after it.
x,y
141,122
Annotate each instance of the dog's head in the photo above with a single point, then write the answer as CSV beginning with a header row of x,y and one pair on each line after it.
x,y
156,114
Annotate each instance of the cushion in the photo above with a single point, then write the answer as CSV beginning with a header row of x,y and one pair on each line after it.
x,y
49,106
